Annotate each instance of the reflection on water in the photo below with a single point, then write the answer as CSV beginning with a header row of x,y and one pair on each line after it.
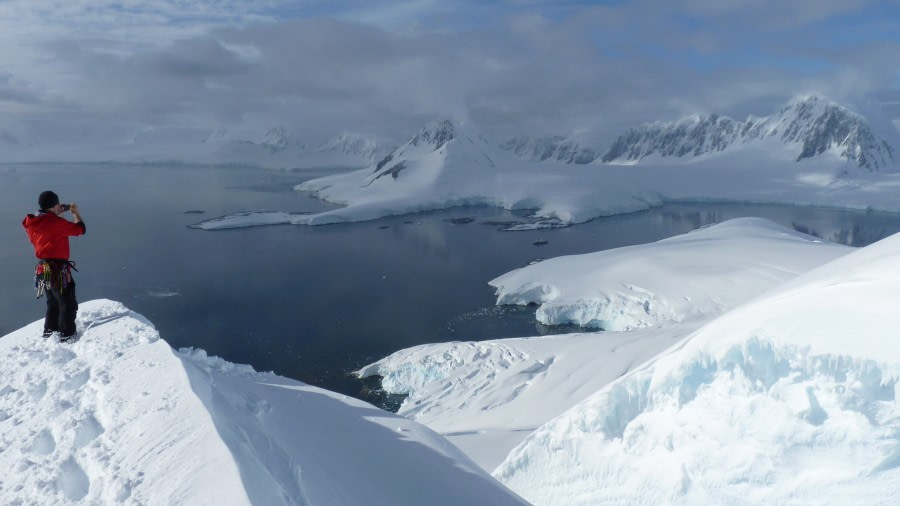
x,y
857,235
313,303
850,228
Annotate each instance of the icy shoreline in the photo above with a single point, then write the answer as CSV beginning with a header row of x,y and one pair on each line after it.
x,y
787,395
486,396
245,219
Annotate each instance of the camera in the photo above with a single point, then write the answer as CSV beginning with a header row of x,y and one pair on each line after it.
x,y
66,207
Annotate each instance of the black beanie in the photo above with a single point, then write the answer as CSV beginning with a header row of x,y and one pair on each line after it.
x,y
47,200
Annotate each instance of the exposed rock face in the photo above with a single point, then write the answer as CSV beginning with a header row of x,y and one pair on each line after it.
x,y
815,124
435,134
278,138
354,145
552,148
455,144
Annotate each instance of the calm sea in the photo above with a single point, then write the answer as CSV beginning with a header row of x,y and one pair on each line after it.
x,y
315,303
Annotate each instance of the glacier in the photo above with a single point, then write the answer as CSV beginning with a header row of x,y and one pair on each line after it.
x,y
790,398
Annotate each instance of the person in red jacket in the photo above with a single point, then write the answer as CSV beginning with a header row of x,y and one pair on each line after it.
x,y
49,232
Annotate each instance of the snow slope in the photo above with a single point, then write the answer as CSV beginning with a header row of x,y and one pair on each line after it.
x,y
788,399
486,397
691,275
443,165
119,417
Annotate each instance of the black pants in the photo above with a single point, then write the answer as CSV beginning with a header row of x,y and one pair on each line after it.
x,y
61,309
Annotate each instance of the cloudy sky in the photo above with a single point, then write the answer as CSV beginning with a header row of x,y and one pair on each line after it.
x,y
122,69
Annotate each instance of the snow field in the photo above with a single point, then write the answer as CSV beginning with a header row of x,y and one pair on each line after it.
x,y
791,398
696,274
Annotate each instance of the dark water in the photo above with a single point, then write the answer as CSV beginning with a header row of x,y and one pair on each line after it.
x,y
314,303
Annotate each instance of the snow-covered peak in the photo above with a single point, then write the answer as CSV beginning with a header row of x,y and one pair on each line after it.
x,y
810,126
821,125
119,417
353,144
280,138
437,144
446,158
435,134
688,137
555,148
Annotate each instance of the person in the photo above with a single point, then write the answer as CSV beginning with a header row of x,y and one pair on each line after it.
x,y
49,233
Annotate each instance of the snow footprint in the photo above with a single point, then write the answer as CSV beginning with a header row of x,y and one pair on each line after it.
x,y
43,443
72,480
76,380
38,391
88,430
62,355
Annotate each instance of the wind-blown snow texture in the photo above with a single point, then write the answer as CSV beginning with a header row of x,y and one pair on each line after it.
x,y
791,398
120,418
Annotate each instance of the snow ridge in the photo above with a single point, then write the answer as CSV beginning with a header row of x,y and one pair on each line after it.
x,y
118,417
813,125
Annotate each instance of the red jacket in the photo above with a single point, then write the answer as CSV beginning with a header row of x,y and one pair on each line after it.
x,y
50,234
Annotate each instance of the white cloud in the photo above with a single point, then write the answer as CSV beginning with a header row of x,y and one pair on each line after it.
x,y
514,67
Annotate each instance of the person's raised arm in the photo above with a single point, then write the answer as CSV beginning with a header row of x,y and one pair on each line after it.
x,y
73,208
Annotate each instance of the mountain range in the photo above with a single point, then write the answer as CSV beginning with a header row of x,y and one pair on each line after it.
x,y
279,147
813,126
806,128
554,148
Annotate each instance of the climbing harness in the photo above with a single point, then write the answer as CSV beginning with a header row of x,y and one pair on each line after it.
x,y
49,274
